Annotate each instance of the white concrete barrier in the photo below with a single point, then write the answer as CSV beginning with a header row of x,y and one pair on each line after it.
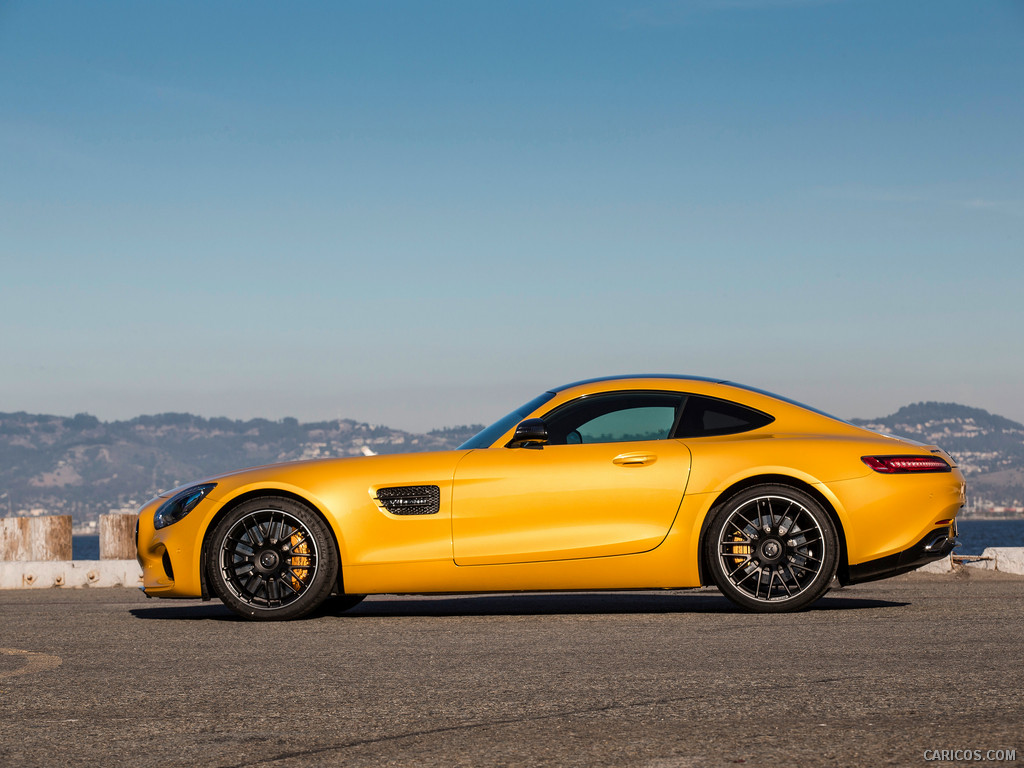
x,y
945,565
1004,559
45,574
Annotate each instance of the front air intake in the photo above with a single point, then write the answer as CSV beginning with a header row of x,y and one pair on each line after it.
x,y
411,499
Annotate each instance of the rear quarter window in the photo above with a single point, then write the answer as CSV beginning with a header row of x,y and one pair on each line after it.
x,y
709,417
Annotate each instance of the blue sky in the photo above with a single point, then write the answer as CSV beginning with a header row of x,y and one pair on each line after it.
x,y
421,214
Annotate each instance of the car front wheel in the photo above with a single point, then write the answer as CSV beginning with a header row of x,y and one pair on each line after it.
x,y
772,548
272,559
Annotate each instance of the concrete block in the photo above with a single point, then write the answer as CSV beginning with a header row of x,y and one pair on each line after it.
x,y
981,565
38,574
1006,559
945,565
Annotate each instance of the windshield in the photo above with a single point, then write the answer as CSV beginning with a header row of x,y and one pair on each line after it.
x,y
486,438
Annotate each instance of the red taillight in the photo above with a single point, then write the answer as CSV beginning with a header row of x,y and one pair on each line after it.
x,y
901,465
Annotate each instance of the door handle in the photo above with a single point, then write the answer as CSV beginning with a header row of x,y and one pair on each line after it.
x,y
634,459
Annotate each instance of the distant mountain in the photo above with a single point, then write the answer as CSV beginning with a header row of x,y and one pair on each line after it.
x,y
980,441
85,467
989,449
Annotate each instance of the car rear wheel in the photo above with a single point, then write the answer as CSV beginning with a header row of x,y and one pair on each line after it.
x,y
772,548
272,559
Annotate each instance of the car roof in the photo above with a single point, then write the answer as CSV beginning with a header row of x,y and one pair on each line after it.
x,y
625,377
704,380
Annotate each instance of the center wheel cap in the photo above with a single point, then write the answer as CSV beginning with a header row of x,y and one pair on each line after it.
x,y
268,560
771,550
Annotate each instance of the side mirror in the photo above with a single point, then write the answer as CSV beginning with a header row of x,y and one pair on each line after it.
x,y
530,433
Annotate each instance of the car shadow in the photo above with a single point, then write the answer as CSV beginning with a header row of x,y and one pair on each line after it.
x,y
517,604
187,611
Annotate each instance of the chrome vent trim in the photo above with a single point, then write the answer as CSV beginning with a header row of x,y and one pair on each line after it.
x,y
411,499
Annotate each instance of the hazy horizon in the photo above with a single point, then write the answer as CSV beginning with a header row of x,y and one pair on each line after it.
x,y
357,419
423,215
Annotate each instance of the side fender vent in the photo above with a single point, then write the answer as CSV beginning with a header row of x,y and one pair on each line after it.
x,y
411,499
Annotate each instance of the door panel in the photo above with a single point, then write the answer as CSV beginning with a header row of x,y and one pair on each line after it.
x,y
563,502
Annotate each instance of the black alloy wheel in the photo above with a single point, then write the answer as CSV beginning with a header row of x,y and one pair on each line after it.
x,y
772,548
272,559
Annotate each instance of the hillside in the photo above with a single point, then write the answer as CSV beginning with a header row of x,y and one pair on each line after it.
x,y
988,448
85,467
981,441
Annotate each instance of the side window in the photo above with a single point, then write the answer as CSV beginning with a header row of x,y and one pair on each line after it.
x,y
707,417
645,423
614,418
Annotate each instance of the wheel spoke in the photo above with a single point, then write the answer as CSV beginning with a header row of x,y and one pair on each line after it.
x,y
751,523
239,542
294,575
729,547
802,568
783,584
286,532
760,514
756,571
791,522
254,536
740,567
252,587
741,531
793,575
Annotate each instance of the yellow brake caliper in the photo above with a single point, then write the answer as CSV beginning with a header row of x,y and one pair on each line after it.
x,y
300,561
740,550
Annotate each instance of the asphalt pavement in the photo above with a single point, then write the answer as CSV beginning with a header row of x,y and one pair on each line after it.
x,y
875,674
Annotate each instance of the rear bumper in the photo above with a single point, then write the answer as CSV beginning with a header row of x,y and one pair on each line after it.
x,y
936,545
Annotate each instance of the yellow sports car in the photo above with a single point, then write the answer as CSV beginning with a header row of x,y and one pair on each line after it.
x,y
617,483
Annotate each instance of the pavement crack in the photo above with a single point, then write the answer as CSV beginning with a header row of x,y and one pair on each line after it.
x,y
491,724
454,728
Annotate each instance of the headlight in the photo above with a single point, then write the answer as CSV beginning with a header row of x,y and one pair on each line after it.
x,y
180,504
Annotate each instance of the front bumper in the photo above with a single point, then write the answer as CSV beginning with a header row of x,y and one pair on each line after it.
x,y
936,545
170,556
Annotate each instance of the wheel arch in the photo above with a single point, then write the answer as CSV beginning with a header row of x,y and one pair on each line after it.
x,y
703,568
257,493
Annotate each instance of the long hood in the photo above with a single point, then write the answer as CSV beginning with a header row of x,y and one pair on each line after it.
x,y
318,472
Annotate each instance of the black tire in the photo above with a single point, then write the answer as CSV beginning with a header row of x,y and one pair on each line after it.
x,y
272,559
772,549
